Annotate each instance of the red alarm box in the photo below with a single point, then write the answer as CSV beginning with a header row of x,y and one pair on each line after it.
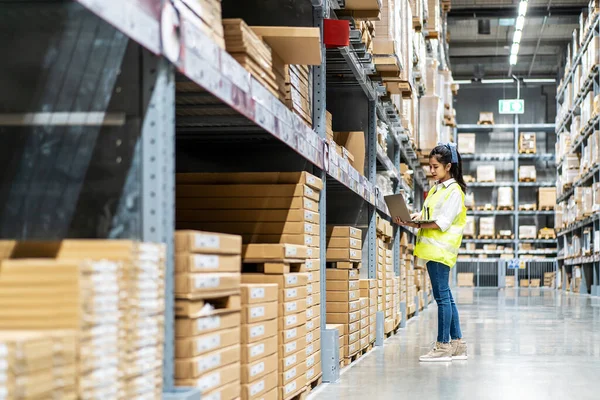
x,y
336,33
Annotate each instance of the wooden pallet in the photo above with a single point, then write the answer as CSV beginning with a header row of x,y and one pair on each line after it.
x,y
527,151
506,208
299,395
312,385
486,181
470,208
485,122
352,358
487,207
527,207
547,237
344,264
468,236
275,267
417,24
567,187
527,179
433,35
486,237
511,236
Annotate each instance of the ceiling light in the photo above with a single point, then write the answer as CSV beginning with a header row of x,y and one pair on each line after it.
x,y
496,81
513,59
514,50
539,80
523,7
517,36
463,81
520,23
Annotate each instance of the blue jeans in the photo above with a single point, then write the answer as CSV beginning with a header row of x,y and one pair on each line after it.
x,y
448,322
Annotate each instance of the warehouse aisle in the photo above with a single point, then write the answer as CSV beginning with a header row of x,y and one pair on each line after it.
x,y
538,345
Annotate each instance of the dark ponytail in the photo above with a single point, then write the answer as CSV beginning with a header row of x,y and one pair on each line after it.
x,y
443,153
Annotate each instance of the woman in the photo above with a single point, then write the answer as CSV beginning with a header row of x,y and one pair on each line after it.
x,y
438,243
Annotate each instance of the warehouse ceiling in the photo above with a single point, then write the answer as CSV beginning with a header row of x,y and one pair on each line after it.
x,y
548,30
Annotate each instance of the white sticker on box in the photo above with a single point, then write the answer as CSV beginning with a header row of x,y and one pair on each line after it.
x,y
207,241
291,279
291,360
353,326
310,361
309,313
309,263
353,242
308,241
202,261
208,343
291,251
354,306
352,295
310,325
291,306
308,228
309,252
310,373
291,373
257,350
214,396
309,349
257,369
309,288
290,334
309,337
207,282
353,253
3,350
209,381
290,347
290,387
353,273
205,324
291,319
308,191
257,293
309,301
308,216
291,293
257,388
257,312
353,285
311,179
205,364
257,331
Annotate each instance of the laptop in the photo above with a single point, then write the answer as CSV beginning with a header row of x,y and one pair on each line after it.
x,y
398,208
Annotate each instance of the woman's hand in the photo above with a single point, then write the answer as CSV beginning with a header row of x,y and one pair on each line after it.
x,y
398,221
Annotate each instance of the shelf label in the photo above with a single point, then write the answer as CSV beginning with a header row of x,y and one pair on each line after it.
x,y
513,106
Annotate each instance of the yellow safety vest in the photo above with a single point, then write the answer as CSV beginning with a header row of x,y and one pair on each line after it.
x,y
433,244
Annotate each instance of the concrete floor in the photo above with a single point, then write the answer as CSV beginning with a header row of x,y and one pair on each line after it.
x,y
523,344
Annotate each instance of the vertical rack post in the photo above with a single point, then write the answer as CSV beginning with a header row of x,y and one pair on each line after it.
x,y
371,171
396,243
516,186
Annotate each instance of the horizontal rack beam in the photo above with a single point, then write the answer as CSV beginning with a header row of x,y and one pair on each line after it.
x,y
506,127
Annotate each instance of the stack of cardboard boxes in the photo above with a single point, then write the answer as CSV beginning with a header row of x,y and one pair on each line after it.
x,y
38,364
259,348
207,329
284,265
368,290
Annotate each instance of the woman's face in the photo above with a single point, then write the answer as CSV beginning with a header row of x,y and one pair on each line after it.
x,y
439,171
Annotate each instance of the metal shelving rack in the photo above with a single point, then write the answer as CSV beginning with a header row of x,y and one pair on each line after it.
x,y
590,263
104,131
509,155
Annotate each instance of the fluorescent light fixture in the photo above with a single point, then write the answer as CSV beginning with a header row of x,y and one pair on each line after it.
x,y
463,81
497,81
520,23
506,22
517,36
513,59
523,7
514,50
539,80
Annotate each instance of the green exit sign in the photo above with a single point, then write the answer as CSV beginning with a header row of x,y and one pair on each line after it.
x,y
511,106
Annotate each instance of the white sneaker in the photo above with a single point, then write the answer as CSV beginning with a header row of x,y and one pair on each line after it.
x,y
441,352
459,350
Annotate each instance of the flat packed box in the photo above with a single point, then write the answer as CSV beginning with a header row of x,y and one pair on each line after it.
x,y
334,254
248,203
342,286
292,307
290,388
291,294
292,374
344,243
527,232
238,191
185,262
486,173
251,352
344,306
271,178
307,239
207,243
202,284
343,318
259,388
198,345
291,280
246,215
259,312
290,348
547,197
189,368
292,334
256,228
251,333
291,321
214,379
342,296
288,362
466,143
253,293
274,251
258,369
185,327
344,232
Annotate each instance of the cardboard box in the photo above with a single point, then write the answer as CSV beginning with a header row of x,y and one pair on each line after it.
x,y
313,347
344,232
271,178
368,283
487,226
247,215
249,229
214,379
314,323
334,274
288,362
527,172
207,243
185,327
284,280
254,293
547,197
197,285
313,336
190,368
527,232
185,262
466,143
251,372
288,335
343,306
343,318
259,312
312,265
291,321
229,391
292,307
293,385
342,286
308,239
355,143
352,295
292,347
195,346
258,388
249,203
352,349
237,191
274,251
344,243
252,352
344,255
291,294
486,173
251,333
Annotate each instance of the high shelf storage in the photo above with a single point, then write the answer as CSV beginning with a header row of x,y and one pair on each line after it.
x,y
577,129
505,200
128,94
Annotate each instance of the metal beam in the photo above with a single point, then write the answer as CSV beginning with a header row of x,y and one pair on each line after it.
x,y
511,12
476,44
